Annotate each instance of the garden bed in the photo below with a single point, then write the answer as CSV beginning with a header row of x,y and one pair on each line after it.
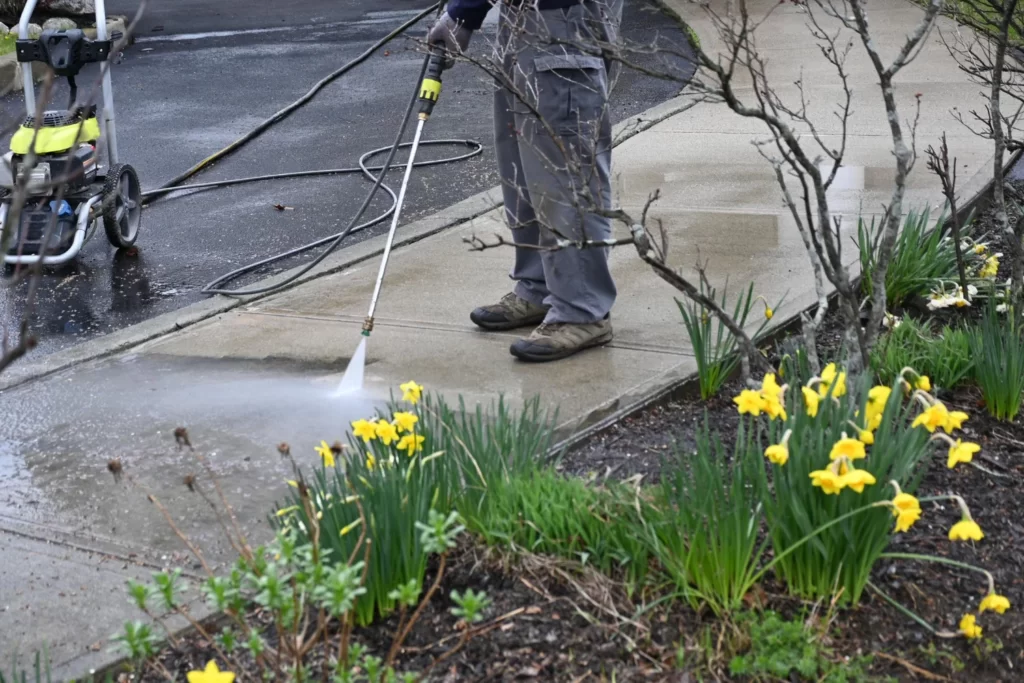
x,y
574,597
554,620
939,595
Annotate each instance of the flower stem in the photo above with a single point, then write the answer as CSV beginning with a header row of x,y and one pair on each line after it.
x,y
943,560
901,608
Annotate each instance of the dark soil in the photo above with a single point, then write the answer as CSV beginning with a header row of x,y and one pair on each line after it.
x,y
535,630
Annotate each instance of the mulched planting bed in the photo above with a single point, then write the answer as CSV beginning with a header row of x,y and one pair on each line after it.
x,y
536,629
939,594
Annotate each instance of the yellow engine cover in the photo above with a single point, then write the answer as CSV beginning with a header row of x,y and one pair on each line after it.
x,y
56,139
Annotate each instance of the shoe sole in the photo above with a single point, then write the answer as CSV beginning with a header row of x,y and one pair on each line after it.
x,y
530,358
508,324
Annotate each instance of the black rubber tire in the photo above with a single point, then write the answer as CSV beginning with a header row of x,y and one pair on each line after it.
x,y
122,205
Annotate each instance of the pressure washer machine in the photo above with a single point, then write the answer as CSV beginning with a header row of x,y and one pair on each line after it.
x,y
57,159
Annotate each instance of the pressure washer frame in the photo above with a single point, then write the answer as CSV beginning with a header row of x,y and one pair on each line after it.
x,y
107,119
116,186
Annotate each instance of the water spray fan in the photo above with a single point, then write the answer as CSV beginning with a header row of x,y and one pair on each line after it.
x,y
429,92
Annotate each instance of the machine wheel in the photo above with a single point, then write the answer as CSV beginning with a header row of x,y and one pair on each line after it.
x,y
122,205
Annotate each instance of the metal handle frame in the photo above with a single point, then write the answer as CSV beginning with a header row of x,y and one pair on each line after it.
x,y
83,217
107,120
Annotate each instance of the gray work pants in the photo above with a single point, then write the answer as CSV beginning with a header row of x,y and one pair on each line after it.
x,y
553,144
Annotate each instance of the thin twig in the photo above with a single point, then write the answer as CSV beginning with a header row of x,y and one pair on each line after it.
x,y
401,636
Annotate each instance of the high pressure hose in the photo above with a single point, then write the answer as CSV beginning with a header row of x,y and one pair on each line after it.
x,y
174,185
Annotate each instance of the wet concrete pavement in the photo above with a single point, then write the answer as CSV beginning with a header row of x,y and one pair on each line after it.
x,y
201,75
70,534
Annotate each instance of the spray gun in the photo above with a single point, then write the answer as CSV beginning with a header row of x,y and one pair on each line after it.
x,y
430,92
430,88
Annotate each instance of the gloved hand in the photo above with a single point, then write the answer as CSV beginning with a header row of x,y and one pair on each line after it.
x,y
452,35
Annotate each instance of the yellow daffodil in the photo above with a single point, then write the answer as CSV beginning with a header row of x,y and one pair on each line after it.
x,y
411,392
810,401
774,408
991,267
866,437
770,388
856,480
828,480
778,453
411,443
905,501
994,602
768,313
345,530
211,674
966,530
325,452
749,402
371,461
980,249
934,417
906,518
386,432
923,383
954,420
961,452
878,397
291,482
832,378
848,448
969,627
365,430
405,422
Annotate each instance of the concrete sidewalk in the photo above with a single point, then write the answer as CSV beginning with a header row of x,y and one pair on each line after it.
x,y
255,375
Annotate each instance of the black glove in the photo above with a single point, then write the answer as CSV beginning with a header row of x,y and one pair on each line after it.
x,y
452,35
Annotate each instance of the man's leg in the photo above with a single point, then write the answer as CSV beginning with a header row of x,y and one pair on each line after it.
x,y
566,158
524,306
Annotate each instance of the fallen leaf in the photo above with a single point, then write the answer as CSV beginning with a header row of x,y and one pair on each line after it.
x,y
533,610
282,207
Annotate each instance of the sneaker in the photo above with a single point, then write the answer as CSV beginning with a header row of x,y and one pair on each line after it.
x,y
509,313
552,341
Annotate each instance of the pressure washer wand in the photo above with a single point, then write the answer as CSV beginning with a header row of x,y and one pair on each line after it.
x,y
430,91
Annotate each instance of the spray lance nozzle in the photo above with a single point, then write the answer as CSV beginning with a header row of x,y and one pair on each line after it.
x,y
430,88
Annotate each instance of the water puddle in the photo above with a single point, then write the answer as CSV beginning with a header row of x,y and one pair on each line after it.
x,y
59,435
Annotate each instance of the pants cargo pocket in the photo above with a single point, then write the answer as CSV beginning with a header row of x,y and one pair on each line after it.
x,y
572,92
